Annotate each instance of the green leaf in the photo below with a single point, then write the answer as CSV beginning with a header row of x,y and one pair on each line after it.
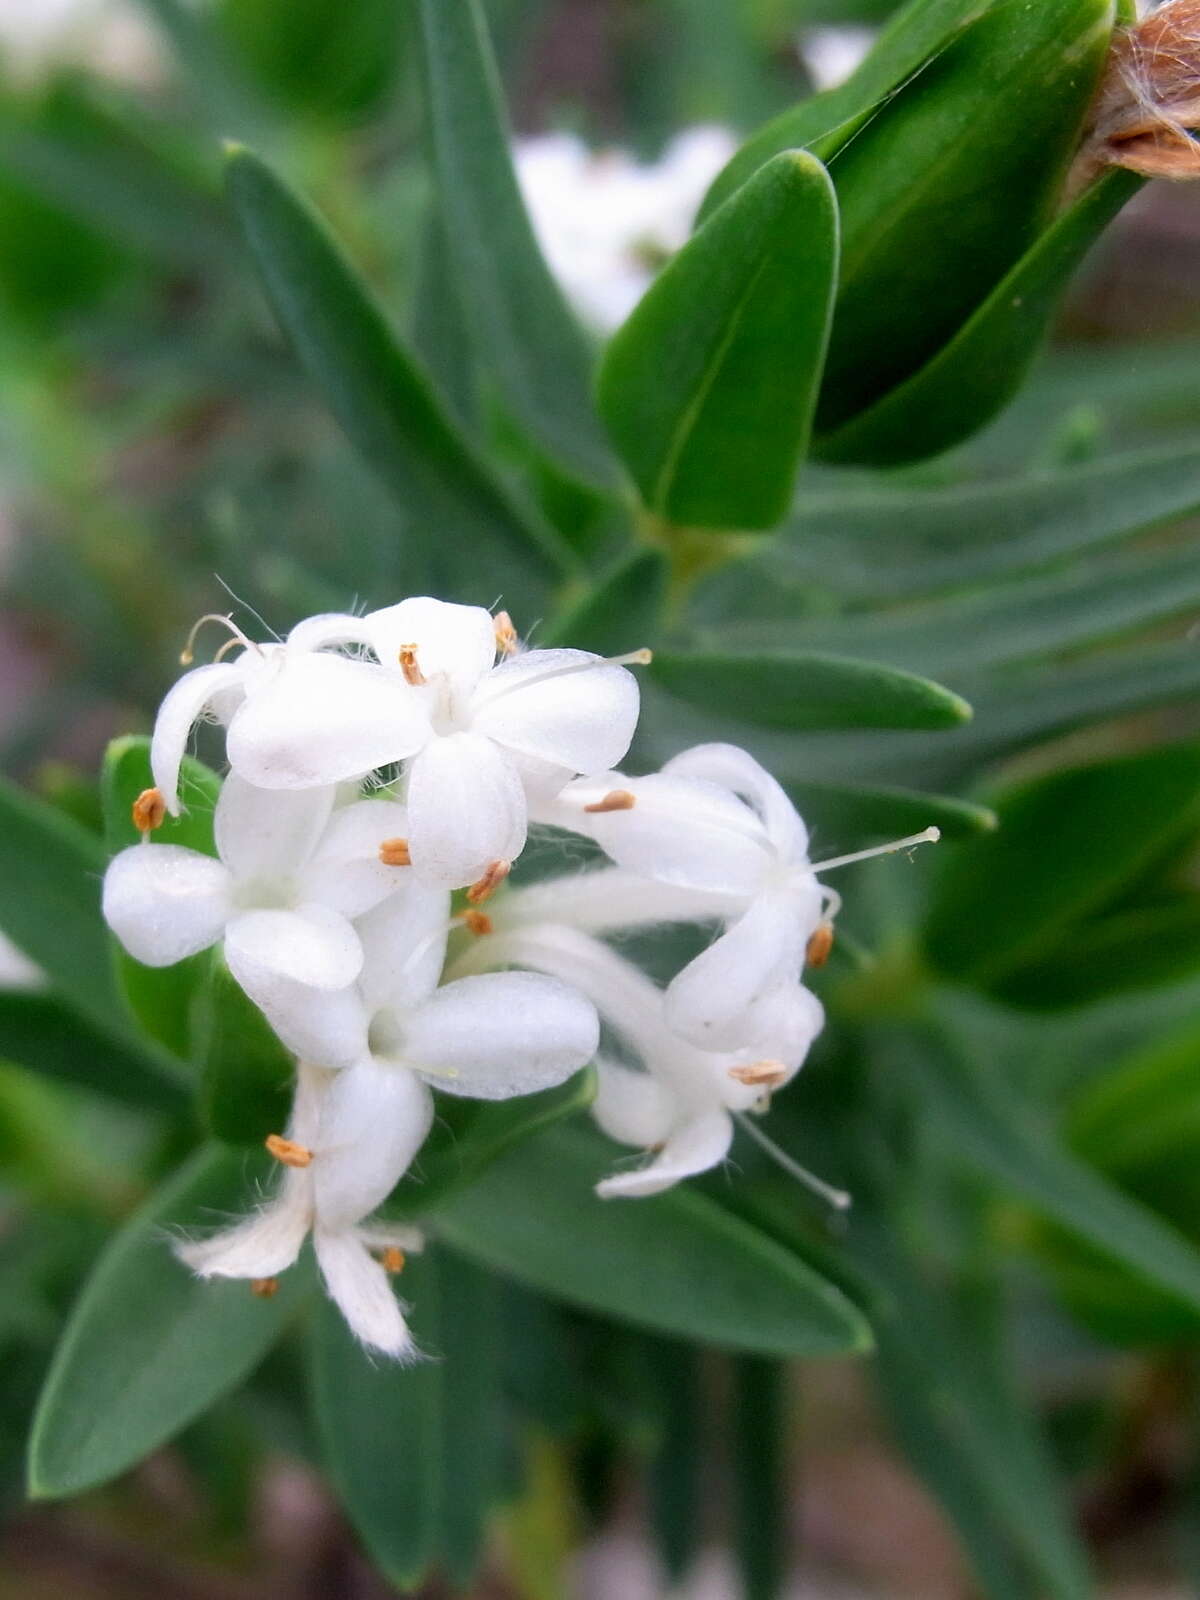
x,y
159,997
416,1452
982,365
760,1475
384,403
850,816
1129,949
797,690
677,1263
718,366
148,1346
674,1484
439,333
1142,1116
1067,843
247,1074
39,1032
623,612
523,329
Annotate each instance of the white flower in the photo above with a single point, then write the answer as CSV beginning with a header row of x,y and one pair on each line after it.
x,y
606,223
292,873
17,972
106,36
355,1132
832,54
480,734
682,1104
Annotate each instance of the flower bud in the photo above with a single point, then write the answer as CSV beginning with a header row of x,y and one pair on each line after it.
x,y
1149,99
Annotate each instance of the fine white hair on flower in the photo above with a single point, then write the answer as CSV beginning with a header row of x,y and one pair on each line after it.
x,y
606,222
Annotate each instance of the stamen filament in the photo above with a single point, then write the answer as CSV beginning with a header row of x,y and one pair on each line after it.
x,y
635,658
929,836
187,655
837,1198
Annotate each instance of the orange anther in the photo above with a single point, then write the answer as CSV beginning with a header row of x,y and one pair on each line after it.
x,y
393,1260
760,1074
477,922
817,951
409,665
288,1151
486,886
614,800
395,853
148,810
507,642
264,1288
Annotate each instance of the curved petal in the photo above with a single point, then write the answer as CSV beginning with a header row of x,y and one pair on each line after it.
x,y
783,1024
735,769
165,902
602,901
362,1291
712,1000
562,706
328,630
459,641
265,833
311,946
259,1246
321,719
694,1147
466,809
633,1107
345,872
374,1119
185,703
404,946
322,1026
501,1034
284,961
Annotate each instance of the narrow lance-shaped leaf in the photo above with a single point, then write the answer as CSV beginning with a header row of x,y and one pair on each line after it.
x,y
149,1346
709,388
795,690
383,401
522,326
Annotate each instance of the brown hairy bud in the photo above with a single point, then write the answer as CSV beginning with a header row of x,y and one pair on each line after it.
x,y
1148,103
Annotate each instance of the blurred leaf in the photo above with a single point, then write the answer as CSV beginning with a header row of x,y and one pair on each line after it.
x,y
159,997
1142,1117
522,326
247,1082
440,338
850,815
709,388
1128,949
39,1032
416,1451
384,403
1067,843
760,1475
979,370
676,1263
318,60
675,1467
149,1346
796,690
623,612
220,90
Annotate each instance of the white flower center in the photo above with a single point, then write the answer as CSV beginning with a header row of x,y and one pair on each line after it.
x,y
266,894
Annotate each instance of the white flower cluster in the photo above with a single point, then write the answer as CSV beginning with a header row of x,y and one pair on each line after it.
x,y
331,897
605,222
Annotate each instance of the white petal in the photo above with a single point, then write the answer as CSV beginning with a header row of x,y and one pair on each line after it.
x,y
374,1120
501,1034
324,718
362,1291
261,1245
735,769
466,809
404,946
459,641
267,951
345,872
563,706
165,902
783,1024
183,706
711,1001
633,1107
694,1147
312,945
265,834
601,901
329,628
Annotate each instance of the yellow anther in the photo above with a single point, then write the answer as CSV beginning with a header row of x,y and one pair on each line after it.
x,y
817,950
507,641
760,1074
485,887
410,667
395,853
392,1260
288,1151
614,800
264,1288
148,810
477,922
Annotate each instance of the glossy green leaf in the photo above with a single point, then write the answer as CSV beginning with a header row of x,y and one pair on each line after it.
x,y
790,689
848,816
246,1089
708,390
945,189
980,368
677,1263
383,401
159,997
523,329
623,612
415,1451
1067,843
149,1346
41,1033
